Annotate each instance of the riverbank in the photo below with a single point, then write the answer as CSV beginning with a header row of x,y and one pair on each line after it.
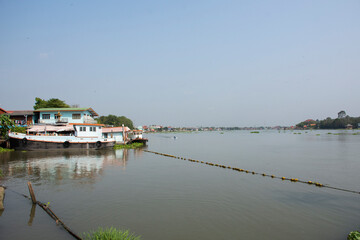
x,y
5,150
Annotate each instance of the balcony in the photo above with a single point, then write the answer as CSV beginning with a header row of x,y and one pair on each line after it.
x,y
89,120
63,120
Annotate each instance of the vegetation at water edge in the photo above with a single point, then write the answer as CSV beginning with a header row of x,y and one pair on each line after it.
x,y
255,132
354,236
129,146
341,122
110,234
5,150
7,124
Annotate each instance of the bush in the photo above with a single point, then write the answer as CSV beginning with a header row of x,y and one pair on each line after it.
x,y
18,129
5,150
129,146
354,236
110,234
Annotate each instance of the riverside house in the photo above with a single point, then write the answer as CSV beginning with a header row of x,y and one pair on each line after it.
x,y
119,133
22,118
65,115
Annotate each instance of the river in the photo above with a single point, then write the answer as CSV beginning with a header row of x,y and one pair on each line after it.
x,y
160,197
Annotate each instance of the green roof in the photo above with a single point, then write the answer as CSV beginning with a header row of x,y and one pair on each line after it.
x,y
66,109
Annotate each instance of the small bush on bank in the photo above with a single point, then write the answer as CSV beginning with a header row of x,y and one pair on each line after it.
x,y
354,236
110,234
5,150
129,146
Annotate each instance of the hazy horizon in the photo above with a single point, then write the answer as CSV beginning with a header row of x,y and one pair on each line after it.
x,y
184,63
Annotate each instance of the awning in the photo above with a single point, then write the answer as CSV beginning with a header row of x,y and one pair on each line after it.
x,y
51,128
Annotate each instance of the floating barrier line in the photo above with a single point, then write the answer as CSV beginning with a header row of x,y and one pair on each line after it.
x,y
317,184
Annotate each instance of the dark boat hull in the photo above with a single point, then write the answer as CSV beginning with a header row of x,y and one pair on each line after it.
x,y
28,145
138,140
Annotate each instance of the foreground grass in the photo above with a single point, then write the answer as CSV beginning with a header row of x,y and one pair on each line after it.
x,y
5,150
129,146
110,234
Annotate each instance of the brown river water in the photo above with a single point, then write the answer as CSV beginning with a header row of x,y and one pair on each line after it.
x,y
160,197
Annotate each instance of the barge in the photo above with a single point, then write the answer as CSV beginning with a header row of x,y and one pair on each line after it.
x,y
60,136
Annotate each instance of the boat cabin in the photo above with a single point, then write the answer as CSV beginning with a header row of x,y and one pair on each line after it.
x,y
135,134
87,130
51,130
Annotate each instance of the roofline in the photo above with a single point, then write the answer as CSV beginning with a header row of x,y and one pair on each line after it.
x,y
68,110
87,124
3,110
93,112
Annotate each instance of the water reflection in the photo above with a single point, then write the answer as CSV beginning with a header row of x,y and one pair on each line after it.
x,y
56,166
32,214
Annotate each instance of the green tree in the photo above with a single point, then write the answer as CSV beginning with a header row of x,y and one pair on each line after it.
x,y
116,121
5,124
51,103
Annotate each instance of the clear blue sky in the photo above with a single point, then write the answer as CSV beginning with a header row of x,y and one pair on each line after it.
x,y
184,63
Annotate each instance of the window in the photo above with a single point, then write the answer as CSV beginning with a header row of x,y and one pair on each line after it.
x,y
46,116
82,129
76,116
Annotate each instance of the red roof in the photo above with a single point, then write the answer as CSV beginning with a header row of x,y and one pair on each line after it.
x,y
2,111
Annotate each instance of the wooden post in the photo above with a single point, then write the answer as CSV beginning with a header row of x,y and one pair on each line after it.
x,y
33,199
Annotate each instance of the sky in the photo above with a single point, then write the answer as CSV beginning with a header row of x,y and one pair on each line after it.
x,y
184,63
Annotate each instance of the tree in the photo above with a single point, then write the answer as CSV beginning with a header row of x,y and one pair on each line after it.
x,y
5,124
116,121
342,114
51,103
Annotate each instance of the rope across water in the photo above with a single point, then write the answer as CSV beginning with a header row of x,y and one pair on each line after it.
x,y
317,184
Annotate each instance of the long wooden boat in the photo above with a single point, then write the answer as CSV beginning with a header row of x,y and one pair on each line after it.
x,y
71,136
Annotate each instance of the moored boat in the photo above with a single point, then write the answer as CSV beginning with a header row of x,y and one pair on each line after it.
x,y
60,136
135,136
